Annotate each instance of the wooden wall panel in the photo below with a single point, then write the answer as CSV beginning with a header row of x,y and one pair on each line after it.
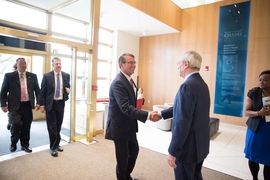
x,y
164,10
189,20
159,54
262,16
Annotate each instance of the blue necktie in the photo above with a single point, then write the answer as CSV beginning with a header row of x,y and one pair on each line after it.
x,y
57,93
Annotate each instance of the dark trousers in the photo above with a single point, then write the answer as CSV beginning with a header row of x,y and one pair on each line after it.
x,y
54,123
21,121
188,171
126,154
254,169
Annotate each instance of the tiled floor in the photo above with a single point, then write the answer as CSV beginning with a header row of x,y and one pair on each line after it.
x,y
226,148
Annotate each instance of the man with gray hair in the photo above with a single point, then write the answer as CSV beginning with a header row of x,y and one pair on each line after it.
x,y
190,126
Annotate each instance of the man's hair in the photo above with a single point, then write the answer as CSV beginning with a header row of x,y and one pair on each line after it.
x,y
19,59
15,66
55,58
122,58
194,59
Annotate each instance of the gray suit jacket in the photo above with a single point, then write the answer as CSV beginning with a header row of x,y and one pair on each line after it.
x,y
190,124
11,90
122,114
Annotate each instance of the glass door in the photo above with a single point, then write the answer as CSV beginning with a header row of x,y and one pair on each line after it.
x,y
74,125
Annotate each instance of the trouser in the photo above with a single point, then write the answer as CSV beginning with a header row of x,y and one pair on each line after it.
x,y
54,123
126,154
21,121
188,171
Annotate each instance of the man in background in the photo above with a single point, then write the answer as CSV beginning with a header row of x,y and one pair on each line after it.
x,y
18,93
55,88
14,68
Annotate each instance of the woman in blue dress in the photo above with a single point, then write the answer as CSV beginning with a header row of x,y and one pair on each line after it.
x,y
257,147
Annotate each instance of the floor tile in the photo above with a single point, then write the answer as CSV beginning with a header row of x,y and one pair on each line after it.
x,y
226,148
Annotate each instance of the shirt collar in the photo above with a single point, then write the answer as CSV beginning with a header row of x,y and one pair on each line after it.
x,y
21,72
126,76
55,73
187,76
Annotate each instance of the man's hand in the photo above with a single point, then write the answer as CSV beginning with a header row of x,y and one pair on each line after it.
x,y
154,116
67,90
5,109
37,107
171,161
42,109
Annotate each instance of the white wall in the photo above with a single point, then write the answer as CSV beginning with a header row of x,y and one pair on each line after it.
x,y
124,43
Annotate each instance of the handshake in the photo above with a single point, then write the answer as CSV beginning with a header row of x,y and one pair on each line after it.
x,y
155,116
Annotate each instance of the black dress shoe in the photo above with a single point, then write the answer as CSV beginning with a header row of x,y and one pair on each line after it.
x,y
53,153
27,149
13,147
60,149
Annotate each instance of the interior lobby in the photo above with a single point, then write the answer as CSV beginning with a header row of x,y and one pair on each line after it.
x,y
90,53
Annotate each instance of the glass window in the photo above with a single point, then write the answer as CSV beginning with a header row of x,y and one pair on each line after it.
x,y
103,88
104,52
105,36
37,67
30,17
104,70
68,27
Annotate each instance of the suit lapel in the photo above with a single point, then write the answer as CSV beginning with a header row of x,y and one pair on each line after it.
x,y
123,77
16,77
52,79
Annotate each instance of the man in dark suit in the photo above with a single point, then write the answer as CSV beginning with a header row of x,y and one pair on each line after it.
x,y
18,93
190,126
122,122
55,88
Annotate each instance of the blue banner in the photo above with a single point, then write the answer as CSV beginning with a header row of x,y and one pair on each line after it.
x,y
231,59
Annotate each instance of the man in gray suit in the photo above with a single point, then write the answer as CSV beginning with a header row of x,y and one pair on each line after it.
x,y
18,93
190,126
55,88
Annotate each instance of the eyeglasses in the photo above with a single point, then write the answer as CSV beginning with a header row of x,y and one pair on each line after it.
x,y
130,62
180,62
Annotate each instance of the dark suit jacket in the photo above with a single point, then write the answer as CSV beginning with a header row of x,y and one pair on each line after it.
x,y
190,124
48,89
11,90
122,114
256,95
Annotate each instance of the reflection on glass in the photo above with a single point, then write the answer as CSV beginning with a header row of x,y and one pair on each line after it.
x,y
22,15
69,27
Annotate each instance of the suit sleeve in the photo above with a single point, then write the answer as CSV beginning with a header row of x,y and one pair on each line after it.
x,y
124,100
43,90
182,120
67,80
4,91
37,90
167,113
